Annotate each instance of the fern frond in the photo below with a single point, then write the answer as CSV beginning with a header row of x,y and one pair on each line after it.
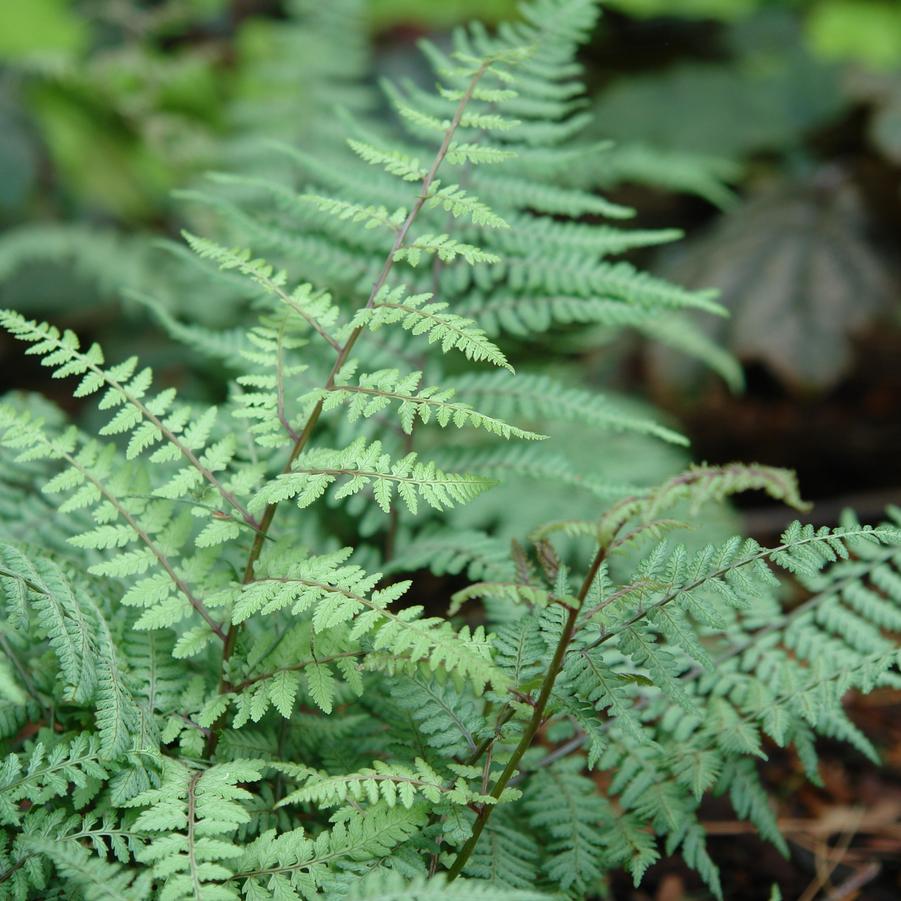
x,y
521,194
371,216
376,390
445,248
528,314
700,485
365,465
562,805
392,161
506,856
148,418
447,717
540,398
453,551
419,315
46,772
95,478
292,860
459,203
189,820
733,570
95,878
335,593
314,307
391,784
386,885
534,462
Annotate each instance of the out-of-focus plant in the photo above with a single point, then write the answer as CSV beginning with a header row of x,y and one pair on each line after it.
x,y
799,276
863,31
118,107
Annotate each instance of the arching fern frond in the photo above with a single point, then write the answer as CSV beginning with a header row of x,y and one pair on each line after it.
x,y
148,419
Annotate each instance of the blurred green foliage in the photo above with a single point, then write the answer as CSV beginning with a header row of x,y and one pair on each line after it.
x,y
42,26
108,106
868,31
119,106
763,97
715,9
386,13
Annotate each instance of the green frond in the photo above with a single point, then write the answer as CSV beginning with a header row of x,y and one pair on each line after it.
x,y
370,216
563,806
207,692
576,276
375,391
462,153
385,885
312,306
529,314
445,248
64,614
47,772
189,821
367,466
529,595
391,785
392,161
223,345
684,336
534,462
419,315
506,856
148,419
454,551
459,203
700,485
629,844
289,861
448,718
521,194
540,398
95,878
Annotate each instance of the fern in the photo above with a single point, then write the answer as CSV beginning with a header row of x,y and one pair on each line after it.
x,y
190,817
235,658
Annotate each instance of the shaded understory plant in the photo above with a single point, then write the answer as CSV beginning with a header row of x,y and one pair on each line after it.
x,y
220,678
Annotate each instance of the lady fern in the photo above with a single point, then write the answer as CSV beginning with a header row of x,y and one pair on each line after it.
x,y
222,686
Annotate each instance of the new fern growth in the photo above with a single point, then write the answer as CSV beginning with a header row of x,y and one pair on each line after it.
x,y
226,683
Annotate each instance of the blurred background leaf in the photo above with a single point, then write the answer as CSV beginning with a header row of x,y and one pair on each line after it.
x,y
51,27
794,266
868,31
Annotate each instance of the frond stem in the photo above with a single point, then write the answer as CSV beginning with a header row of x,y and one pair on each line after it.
x,y
192,857
252,680
536,719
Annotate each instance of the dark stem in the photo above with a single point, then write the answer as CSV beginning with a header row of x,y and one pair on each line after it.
x,y
535,721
